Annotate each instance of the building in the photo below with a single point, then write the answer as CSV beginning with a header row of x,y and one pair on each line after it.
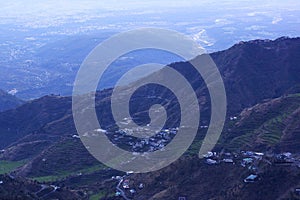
x,y
141,186
211,161
251,178
208,155
246,161
132,191
118,194
126,184
227,160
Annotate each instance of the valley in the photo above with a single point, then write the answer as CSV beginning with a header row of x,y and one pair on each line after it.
x,y
43,157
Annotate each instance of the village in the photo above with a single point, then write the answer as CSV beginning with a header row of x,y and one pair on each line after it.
x,y
125,139
252,161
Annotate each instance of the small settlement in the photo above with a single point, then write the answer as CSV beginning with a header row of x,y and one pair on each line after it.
x,y
252,160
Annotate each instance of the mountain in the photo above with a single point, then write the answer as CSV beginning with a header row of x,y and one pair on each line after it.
x,y
18,188
31,116
252,71
271,127
8,101
261,77
258,70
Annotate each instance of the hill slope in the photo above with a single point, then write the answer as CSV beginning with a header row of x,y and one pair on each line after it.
x,y
39,138
274,124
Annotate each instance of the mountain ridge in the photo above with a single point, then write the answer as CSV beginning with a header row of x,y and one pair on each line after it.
x,y
266,114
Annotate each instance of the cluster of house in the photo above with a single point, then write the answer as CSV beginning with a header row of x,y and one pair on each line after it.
x,y
251,160
287,159
124,188
150,144
127,190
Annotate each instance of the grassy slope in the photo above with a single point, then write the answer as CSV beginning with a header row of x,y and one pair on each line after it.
x,y
262,125
8,166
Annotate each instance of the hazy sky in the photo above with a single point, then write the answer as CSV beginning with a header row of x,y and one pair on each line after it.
x,y
19,8
190,16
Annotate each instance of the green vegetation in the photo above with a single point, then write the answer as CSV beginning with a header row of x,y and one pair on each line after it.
x,y
273,130
97,196
240,141
48,178
194,148
294,95
65,174
268,133
264,126
8,166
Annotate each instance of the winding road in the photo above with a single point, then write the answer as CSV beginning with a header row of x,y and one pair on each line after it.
x,y
122,191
